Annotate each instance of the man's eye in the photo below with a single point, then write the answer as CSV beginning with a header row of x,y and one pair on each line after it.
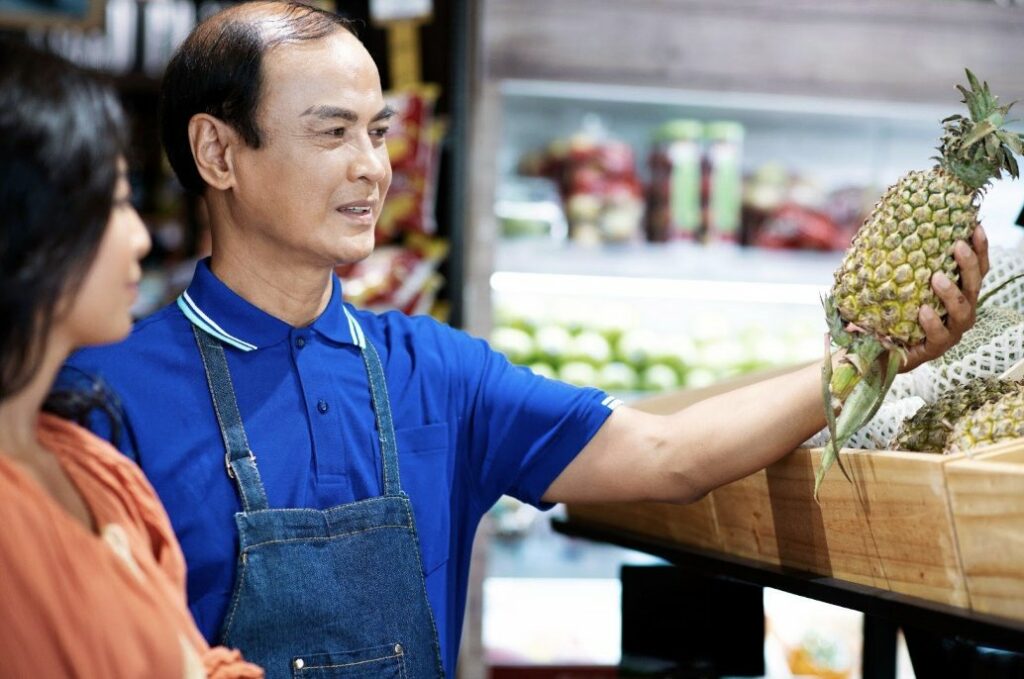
x,y
381,132
336,132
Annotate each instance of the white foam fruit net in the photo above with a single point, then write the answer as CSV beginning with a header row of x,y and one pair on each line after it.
x,y
1004,264
876,434
990,359
925,383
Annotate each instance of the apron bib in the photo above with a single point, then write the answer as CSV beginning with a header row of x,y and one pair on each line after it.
x,y
324,593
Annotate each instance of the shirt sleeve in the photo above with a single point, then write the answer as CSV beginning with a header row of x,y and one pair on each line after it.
x,y
520,429
106,418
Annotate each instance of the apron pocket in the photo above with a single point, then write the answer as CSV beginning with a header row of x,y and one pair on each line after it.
x,y
379,662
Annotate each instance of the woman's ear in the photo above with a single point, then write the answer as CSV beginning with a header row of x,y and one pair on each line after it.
x,y
213,143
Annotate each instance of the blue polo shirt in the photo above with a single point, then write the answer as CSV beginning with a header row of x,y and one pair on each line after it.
x,y
469,425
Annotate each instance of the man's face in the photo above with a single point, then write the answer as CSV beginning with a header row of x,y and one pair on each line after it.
x,y
313,190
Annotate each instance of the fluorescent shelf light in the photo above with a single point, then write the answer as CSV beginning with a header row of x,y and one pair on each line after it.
x,y
657,288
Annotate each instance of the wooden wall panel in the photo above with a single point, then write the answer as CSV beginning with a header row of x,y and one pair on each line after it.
x,y
912,50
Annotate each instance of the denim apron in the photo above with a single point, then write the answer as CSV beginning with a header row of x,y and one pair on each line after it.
x,y
324,593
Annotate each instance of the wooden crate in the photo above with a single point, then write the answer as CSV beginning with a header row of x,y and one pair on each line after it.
x,y
771,516
986,495
890,528
691,524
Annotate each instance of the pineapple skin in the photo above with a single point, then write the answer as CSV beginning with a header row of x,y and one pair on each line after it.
x,y
997,421
885,277
929,429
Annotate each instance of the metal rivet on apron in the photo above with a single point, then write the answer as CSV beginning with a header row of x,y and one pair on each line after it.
x,y
398,649
322,406
299,663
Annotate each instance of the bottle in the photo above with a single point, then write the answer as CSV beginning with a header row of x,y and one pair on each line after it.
x,y
724,181
673,201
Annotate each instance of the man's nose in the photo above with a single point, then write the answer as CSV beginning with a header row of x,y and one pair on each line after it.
x,y
370,163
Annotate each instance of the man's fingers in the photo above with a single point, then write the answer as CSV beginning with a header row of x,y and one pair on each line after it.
x,y
960,309
938,337
970,271
980,242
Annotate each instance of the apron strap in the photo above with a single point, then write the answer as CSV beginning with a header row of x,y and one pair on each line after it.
x,y
238,458
392,483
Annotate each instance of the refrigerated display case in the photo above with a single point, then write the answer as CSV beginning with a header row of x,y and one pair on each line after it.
x,y
823,90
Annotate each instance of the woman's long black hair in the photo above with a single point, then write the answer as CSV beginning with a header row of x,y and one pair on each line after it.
x,y
62,132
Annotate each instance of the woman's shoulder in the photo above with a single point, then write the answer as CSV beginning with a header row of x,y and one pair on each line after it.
x,y
69,440
113,484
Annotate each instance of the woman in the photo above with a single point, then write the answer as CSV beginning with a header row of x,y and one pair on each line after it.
x,y
91,577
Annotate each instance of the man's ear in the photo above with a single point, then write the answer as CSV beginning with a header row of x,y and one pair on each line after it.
x,y
213,145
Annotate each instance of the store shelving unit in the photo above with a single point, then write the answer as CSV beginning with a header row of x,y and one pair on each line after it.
x,y
827,89
689,290
885,612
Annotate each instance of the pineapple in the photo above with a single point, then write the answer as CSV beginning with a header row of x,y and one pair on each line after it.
x,y
885,277
993,422
928,430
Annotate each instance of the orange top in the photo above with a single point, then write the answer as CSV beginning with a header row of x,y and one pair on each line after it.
x,y
77,604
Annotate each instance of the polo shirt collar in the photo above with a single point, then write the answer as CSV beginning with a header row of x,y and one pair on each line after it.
x,y
216,309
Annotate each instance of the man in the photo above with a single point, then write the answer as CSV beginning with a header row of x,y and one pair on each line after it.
x,y
281,427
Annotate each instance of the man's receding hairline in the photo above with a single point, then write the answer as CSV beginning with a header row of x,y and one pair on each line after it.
x,y
260,16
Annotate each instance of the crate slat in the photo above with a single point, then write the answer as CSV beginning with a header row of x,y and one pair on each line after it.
x,y
987,498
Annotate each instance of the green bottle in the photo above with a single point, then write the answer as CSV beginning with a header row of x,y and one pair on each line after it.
x,y
724,170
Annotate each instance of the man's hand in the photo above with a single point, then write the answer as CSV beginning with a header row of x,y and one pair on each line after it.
x,y
961,303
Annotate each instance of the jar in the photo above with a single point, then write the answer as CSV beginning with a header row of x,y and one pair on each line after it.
x,y
673,199
723,174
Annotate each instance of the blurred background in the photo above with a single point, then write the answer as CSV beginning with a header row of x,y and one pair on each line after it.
x,y
643,196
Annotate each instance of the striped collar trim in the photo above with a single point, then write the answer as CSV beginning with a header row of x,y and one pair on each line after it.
x,y
199,319
202,321
358,338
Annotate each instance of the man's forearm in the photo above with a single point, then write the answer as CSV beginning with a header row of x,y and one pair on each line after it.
x,y
732,435
639,456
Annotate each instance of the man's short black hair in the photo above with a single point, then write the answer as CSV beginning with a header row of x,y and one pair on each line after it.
x,y
217,70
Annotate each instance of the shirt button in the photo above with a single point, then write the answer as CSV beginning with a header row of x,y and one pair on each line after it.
x,y
322,406
300,342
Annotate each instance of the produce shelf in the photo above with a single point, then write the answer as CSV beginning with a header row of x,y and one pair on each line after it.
x,y
940,528
901,609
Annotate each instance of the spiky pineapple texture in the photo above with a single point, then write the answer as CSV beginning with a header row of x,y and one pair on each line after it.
x,y
993,422
885,277
928,430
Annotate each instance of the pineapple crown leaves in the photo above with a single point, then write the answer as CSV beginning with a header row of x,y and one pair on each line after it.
x,y
836,325
978,148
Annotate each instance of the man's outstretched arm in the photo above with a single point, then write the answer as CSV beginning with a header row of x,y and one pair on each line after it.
x,y
683,456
